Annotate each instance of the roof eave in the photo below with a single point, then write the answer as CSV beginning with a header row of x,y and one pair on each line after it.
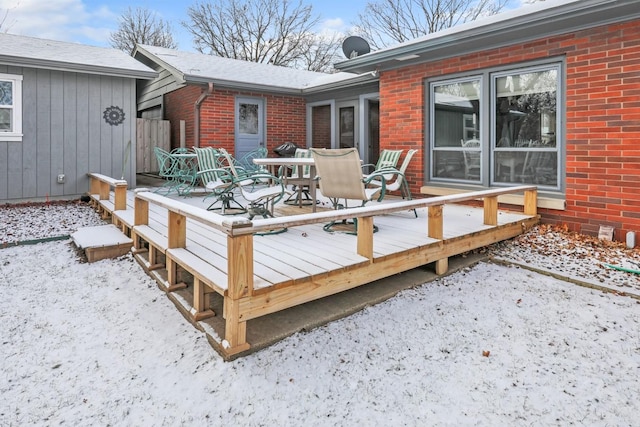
x,y
230,84
76,68
360,80
552,21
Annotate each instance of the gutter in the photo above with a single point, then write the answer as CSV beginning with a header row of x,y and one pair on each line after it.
x,y
516,26
196,120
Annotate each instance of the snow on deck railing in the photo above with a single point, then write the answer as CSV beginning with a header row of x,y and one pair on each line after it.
x,y
242,226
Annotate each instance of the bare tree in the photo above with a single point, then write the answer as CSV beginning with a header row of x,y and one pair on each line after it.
x,y
278,32
321,53
5,26
388,22
144,27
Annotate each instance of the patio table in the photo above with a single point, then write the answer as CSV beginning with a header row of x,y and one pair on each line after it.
x,y
274,163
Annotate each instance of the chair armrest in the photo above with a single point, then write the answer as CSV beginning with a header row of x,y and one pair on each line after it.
x,y
379,177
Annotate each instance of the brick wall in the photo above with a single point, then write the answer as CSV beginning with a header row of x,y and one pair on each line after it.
x,y
602,119
321,127
285,117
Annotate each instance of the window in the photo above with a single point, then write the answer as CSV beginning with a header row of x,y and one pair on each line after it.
x,y
497,128
457,153
10,107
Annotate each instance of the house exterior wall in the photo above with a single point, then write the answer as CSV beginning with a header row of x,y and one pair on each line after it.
x,y
602,119
285,116
65,133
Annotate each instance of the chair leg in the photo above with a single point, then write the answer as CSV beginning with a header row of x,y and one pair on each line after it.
x,y
405,191
300,196
227,203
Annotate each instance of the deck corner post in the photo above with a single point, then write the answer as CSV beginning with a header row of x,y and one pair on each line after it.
x,y
239,286
235,330
94,185
531,202
365,237
240,265
491,210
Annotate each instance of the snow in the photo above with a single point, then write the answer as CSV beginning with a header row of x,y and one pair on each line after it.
x,y
493,344
99,236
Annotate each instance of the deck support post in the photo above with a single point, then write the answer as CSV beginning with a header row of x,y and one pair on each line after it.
x,y
491,210
365,237
436,231
240,276
201,301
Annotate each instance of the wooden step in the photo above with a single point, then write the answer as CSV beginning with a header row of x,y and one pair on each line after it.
x,y
101,242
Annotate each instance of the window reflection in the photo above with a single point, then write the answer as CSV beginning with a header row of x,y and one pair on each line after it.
x,y
525,128
457,150
248,119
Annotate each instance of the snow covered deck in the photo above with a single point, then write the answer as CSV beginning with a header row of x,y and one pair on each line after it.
x,y
199,256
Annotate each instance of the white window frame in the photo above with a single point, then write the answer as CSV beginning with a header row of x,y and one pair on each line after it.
x,y
16,109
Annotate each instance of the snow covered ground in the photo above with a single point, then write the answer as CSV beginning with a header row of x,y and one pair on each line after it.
x,y
99,344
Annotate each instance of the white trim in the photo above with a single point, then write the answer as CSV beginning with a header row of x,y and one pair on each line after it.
x,y
364,123
16,114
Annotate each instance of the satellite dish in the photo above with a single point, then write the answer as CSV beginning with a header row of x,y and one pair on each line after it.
x,y
354,46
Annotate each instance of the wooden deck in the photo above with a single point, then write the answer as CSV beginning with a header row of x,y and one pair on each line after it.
x,y
210,263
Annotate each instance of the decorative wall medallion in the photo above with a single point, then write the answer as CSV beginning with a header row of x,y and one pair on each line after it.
x,y
113,115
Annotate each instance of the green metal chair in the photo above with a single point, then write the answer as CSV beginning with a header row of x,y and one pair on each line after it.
x,y
178,168
218,181
395,178
388,159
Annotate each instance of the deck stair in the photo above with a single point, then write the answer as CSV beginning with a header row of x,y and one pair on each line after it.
x,y
102,242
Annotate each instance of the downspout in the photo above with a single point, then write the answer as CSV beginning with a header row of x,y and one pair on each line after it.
x,y
196,125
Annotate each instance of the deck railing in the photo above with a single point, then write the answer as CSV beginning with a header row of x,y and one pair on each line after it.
x,y
240,233
100,187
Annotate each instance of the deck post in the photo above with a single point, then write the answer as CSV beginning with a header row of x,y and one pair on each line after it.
x,y
436,231
94,185
240,286
436,223
531,202
177,233
365,237
120,202
177,238
104,190
140,217
491,210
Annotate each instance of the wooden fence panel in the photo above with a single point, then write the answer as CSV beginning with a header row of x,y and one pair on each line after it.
x,y
151,133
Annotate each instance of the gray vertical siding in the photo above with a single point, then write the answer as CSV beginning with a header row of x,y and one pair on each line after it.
x,y
65,133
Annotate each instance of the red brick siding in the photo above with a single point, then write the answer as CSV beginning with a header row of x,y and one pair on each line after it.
x,y
285,117
602,119
321,127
